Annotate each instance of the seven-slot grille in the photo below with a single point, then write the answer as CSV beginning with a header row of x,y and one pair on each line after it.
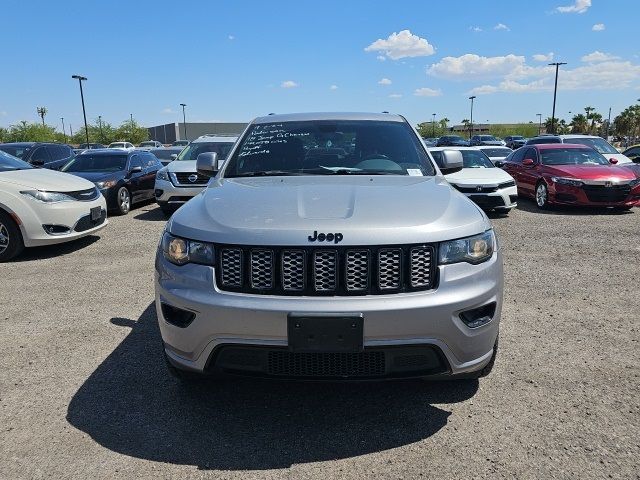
x,y
325,271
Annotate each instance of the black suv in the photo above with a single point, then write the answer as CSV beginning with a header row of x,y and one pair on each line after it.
x,y
48,155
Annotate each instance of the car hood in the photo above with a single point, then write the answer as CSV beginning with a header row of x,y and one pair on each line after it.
x,y
98,176
366,210
46,180
179,166
592,172
479,176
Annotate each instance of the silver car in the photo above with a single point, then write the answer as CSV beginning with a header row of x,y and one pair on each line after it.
x,y
178,181
329,246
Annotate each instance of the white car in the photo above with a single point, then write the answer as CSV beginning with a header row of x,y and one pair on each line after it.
x,y
39,206
599,144
496,153
487,185
122,145
179,181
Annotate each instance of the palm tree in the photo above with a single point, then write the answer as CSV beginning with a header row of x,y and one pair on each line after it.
x,y
42,111
579,123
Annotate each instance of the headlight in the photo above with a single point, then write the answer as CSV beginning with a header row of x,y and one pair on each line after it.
x,y
162,175
476,249
181,251
47,197
567,181
105,184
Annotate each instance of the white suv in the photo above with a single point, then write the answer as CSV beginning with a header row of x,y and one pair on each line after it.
x,y
122,145
179,181
597,143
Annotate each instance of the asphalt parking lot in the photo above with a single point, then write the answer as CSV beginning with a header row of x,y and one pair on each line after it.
x,y
84,391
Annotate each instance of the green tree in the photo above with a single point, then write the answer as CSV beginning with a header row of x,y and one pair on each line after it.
x,y
550,125
579,123
130,131
31,132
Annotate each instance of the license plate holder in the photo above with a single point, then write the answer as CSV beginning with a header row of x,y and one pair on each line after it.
x,y
96,213
325,332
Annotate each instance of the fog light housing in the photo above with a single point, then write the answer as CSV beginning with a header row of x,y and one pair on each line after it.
x,y
177,316
478,317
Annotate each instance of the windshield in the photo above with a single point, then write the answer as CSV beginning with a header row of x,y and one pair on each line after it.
x,y
598,144
96,163
331,147
572,156
488,138
165,154
191,151
9,163
147,144
18,151
453,138
497,152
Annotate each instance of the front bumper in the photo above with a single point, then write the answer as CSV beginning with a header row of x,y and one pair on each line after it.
x,y
427,320
167,193
570,195
505,198
72,215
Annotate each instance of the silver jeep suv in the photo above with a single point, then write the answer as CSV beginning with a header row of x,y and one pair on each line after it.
x,y
329,246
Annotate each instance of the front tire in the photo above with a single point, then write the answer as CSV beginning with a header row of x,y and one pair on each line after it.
x,y
123,198
542,196
11,243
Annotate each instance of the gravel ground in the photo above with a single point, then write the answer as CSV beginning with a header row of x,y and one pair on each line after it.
x,y
84,392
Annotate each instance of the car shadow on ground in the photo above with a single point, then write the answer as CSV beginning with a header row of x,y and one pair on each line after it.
x,y
56,250
151,213
530,206
132,406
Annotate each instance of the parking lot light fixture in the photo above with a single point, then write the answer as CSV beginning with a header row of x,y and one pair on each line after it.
x,y
63,130
472,98
80,79
433,126
184,120
555,91
539,123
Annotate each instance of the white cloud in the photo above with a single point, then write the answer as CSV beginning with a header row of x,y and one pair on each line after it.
x,y
333,87
598,27
384,81
427,92
168,110
597,56
541,57
231,37
475,29
474,66
395,95
401,45
579,6
288,84
501,26
381,58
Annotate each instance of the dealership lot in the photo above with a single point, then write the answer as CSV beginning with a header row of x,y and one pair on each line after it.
x,y
84,390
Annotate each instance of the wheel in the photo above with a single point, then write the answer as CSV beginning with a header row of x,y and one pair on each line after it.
x,y
124,201
11,243
503,211
168,211
542,196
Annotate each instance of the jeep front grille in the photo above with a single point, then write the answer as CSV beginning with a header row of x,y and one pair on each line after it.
x,y
325,271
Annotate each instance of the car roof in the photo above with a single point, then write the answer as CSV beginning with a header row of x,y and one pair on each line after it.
x,y
302,117
439,149
107,151
20,144
578,136
551,146
166,148
216,138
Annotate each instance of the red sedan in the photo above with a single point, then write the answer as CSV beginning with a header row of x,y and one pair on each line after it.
x,y
570,174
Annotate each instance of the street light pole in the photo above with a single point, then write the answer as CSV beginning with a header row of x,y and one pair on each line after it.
x,y
539,123
184,120
80,78
555,91
63,130
100,126
433,126
471,121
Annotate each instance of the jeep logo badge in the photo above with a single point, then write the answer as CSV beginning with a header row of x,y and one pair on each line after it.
x,y
325,237
192,178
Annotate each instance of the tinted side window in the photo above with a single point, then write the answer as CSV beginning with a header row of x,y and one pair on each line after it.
x,y
58,152
150,160
518,155
40,154
532,154
135,161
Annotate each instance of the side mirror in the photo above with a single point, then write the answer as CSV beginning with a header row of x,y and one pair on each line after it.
x,y
451,161
527,162
207,164
137,169
499,163
174,156
613,161
37,163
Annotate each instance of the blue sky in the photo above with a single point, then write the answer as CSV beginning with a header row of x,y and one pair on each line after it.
x,y
234,60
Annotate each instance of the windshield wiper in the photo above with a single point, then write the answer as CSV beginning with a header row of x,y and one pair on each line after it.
x,y
348,171
266,173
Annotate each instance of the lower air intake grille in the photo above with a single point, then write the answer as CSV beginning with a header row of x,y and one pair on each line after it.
x,y
363,364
